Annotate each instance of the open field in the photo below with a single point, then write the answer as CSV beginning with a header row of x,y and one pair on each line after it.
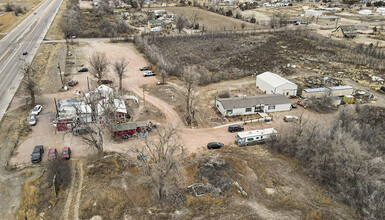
x,y
8,20
211,21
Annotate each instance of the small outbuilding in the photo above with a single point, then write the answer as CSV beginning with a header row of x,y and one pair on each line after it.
x,y
347,31
331,91
272,83
365,12
252,104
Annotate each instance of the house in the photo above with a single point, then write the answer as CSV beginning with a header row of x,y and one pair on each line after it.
x,y
153,25
70,111
252,104
115,107
271,83
381,11
348,31
331,91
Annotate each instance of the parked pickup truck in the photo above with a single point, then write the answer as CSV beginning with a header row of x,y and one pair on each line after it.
x,y
149,73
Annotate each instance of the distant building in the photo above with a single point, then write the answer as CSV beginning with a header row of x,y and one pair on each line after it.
x,y
271,83
347,31
365,12
252,104
313,13
153,25
331,91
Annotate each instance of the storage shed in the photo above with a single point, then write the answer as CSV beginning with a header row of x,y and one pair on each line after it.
x,y
271,83
331,91
253,104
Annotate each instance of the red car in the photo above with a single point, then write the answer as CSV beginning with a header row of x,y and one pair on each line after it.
x,y
66,153
73,83
301,104
52,154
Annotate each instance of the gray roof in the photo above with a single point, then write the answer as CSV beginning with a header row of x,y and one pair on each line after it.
x,y
250,101
348,28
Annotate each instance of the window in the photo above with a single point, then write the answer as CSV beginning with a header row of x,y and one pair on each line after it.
x,y
257,138
229,112
271,107
250,139
248,109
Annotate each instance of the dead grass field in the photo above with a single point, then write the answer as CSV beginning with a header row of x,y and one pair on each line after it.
x,y
8,20
55,32
211,21
113,189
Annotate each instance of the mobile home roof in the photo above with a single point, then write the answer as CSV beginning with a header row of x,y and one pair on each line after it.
x,y
254,133
247,102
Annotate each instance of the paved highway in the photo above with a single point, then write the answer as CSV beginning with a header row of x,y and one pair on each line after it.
x,y
27,36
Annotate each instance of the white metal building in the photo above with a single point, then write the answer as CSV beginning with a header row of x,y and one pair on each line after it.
x,y
313,13
253,104
331,91
365,12
271,83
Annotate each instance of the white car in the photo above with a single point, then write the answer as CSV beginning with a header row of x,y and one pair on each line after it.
x,y
149,73
32,120
37,110
290,118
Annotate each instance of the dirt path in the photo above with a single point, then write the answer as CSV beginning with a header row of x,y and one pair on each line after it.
x,y
71,208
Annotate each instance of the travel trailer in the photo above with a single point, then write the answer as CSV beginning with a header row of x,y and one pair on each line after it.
x,y
255,137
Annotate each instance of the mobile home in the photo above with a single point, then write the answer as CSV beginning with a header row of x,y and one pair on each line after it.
x,y
255,137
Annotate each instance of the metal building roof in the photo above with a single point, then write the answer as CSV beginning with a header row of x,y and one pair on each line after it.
x,y
273,79
248,102
254,133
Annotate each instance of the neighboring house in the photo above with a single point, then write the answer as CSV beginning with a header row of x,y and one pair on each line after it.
x,y
154,25
69,111
271,83
331,91
348,31
252,105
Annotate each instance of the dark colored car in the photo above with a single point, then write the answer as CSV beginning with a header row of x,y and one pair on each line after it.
x,y
66,153
79,131
37,154
214,145
72,83
25,53
52,154
143,68
84,69
106,81
383,88
235,128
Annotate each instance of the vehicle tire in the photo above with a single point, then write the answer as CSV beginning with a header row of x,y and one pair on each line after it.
x,y
125,136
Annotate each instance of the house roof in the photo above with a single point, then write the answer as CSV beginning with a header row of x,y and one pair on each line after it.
x,y
348,28
248,102
254,133
273,79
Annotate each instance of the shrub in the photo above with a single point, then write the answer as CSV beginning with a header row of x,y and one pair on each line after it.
x,y
9,7
229,13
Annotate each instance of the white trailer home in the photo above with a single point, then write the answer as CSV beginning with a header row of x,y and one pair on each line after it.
x,y
313,13
271,83
252,104
341,90
255,137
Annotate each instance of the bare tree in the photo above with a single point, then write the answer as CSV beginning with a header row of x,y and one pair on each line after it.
x,y
119,68
71,22
98,62
161,166
190,77
60,170
180,23
141,3
31,87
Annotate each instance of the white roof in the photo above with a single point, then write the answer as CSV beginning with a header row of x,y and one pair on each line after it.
x,y
254,133
341,87
104,90
273,79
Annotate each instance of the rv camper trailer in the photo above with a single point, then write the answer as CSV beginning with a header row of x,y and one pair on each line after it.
x,y
255,137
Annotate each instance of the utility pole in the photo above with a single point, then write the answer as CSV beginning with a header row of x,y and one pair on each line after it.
x,y
144,99
88,84
61,77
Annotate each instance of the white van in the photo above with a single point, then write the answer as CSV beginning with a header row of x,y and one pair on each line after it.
x,y
255,137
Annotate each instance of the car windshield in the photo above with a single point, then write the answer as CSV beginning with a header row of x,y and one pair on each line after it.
x,y
32,119
65,152
35,154
52,154
36,108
